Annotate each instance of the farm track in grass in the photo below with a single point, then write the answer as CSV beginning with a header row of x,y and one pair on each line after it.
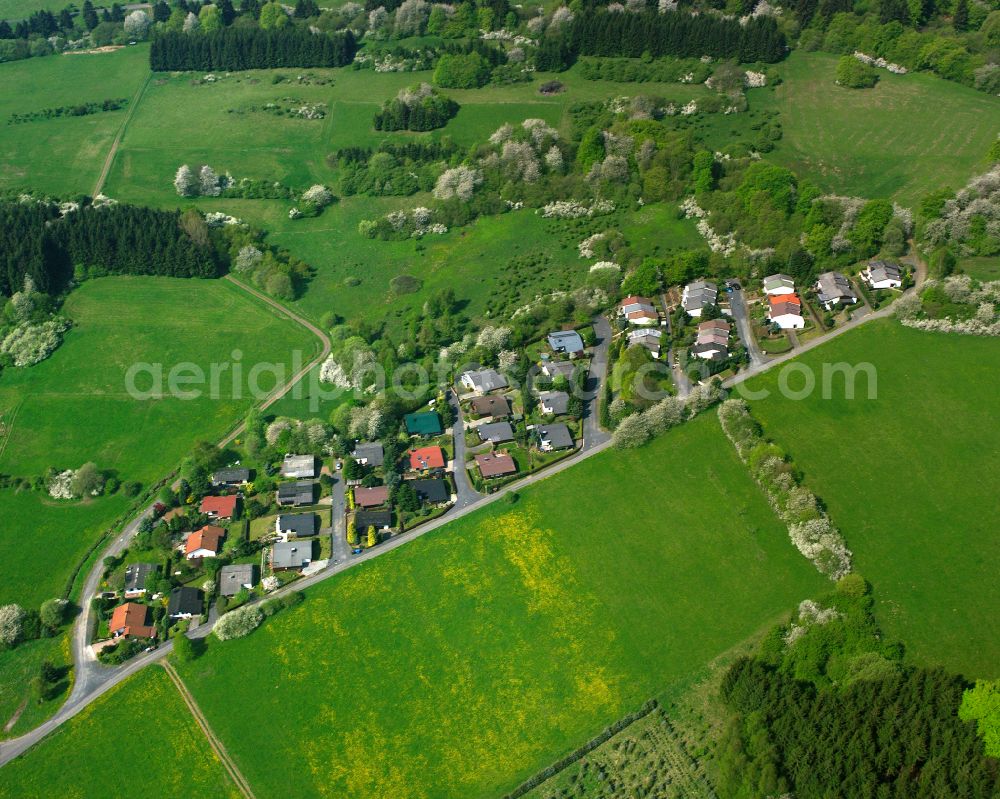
x,y
130,112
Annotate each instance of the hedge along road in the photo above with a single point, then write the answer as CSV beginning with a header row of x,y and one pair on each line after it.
x,y
93,679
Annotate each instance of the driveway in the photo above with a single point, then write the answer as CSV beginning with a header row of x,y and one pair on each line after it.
x,y
593,434
339,550
466,494
738,306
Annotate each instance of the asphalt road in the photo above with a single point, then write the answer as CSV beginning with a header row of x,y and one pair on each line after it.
x,y
738,306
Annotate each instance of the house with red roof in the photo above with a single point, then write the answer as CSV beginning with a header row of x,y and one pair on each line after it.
x,y
204,543
132,620
786,311
219,507
427,458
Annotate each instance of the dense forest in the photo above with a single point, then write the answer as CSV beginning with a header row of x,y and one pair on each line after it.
x,y
234,49
36,242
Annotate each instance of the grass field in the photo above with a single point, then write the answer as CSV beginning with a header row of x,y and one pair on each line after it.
x,y
17,668
63,156
879,142
137,740
74,408
911,479
465,661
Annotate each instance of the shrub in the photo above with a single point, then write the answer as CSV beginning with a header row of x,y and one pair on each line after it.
x,y
239,623
853,74
11,624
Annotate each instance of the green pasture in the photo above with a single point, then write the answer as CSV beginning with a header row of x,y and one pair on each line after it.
x,y
18,666
910,478
138,739
908,136
63,156
467,660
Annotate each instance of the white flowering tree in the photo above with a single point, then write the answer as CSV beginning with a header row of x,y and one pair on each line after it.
x,y
633,431
238,623
459,182
137,24
185,181
411,18
248,258
318,195
11,624
209,183
191,23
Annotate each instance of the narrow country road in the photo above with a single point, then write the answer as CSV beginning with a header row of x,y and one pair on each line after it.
x,y
738,307
110,159
465,493
91,686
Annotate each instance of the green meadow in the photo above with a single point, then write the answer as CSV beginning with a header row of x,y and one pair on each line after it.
x,y
908,136
63,156
909,478
74,407
139,739
462,663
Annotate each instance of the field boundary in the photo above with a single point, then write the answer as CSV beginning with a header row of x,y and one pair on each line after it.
x,y
10,427
217,746
110,159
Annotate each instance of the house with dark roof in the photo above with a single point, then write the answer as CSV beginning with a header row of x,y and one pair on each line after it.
x,y
379,519
568,342
483,381
301,492
426,423
204,543
553,402
699,295
369,453
236,577
883,275
427,459
648,338
371,497
185,602
833,289
298,466
287,555
492,406
554,436
431,490
219,507
495,432
296,525
230,478
495,464
132,620
554,369
136,575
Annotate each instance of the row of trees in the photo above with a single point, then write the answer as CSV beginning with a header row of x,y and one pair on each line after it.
x,y
36,242
234,49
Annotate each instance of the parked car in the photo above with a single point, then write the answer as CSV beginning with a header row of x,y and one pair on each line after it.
x,y
356,551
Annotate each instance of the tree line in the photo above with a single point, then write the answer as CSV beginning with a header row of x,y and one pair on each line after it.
x,y
235,49
118,239
430,112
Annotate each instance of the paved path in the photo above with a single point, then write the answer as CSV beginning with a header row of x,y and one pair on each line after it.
x,y
217,746
82,696
110,159
465,493
593,433
738,307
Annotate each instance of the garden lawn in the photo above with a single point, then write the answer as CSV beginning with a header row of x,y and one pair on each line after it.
x,y
911,479
139,739
879,142
63,156
467,660
74,408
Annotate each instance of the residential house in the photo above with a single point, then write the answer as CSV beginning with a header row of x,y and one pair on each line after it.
x,y
493,406
296,525
785,311
426,423
136,575
568,342
219,507
432,490
712,341
230,478
638,311
132,620
427,459
287,555
369,453
185,603
699,295
883,275
237,577
371,497
554,369
495,464
553,402
552,437
301,492
650,339
204,543
495,432
777,285
379,519
483,381
298,466
833,289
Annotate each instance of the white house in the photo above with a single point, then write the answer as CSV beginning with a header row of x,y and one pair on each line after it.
x,y
833,289
882,275
776,285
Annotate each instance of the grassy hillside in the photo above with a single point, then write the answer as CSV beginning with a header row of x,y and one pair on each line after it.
x,y
881,142
137,740
63,156
74,408
911,478
465,661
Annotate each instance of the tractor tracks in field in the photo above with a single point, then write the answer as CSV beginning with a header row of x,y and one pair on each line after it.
x,y
110,159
